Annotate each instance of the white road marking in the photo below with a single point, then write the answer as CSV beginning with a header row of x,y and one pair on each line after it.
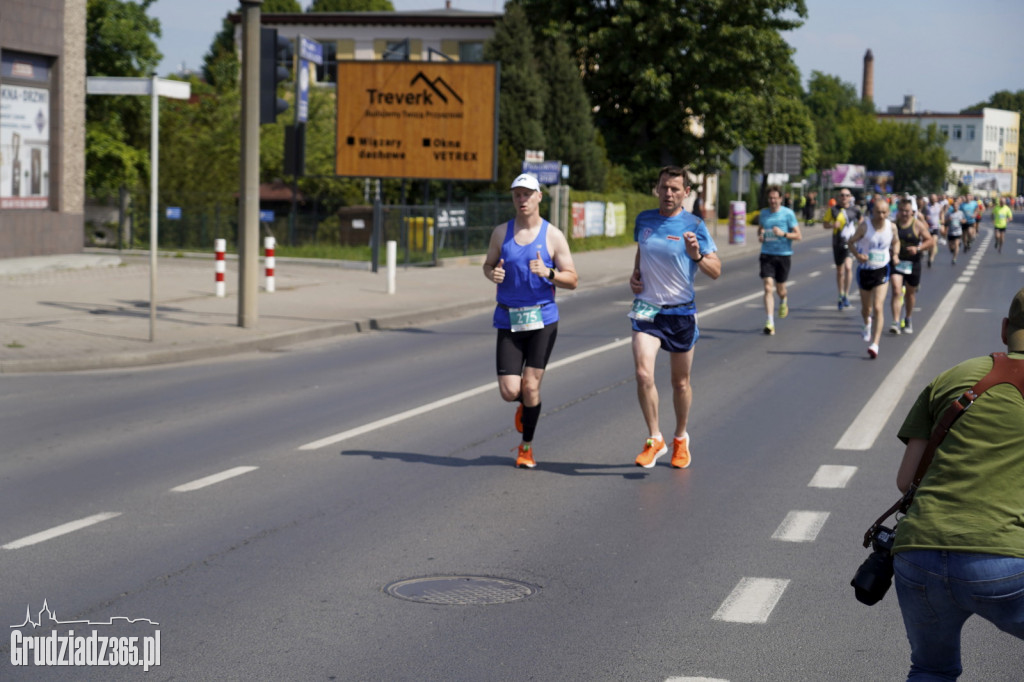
x,y
694,679
977,310
751,601
800,526
816,273
864,429
210,480
62,529
832,476
458,397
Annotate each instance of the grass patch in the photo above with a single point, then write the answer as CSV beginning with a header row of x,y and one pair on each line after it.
x,y
14,344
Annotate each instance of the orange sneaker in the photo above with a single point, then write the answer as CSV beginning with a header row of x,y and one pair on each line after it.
x,y
681,452
525,458
653,449
519,418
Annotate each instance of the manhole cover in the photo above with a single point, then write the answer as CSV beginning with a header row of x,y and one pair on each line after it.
x,y
459,590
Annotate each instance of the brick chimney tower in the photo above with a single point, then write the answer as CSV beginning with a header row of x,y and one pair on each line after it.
x,y
867,93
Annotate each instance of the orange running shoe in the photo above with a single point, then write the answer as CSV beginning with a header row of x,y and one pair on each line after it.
x,y
525,458
519,418
653,449
681,452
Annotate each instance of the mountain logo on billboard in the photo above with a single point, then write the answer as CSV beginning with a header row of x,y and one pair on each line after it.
x,y
438,85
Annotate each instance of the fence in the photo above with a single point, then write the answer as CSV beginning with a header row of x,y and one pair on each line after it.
x,y
424,233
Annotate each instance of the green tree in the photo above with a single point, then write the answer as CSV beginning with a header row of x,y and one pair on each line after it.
x,y
119,42
663,73
835,108
351,6
916,156
568,124
522,92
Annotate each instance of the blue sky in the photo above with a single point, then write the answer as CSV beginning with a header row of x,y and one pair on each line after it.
x,y
949,54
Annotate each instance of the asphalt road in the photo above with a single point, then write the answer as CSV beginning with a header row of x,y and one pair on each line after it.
x,y
347,466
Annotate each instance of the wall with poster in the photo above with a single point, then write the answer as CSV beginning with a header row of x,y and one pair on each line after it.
x,y
24,147
42,127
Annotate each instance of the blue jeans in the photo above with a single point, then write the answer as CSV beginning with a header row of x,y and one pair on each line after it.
x,y
938,591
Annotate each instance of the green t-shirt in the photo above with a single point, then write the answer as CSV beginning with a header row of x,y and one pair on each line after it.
x,y
1000,215
972,496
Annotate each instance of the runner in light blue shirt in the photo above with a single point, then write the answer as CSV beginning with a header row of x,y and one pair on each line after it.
x,y
778,229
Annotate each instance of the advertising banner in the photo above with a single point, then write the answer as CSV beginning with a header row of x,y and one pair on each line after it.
x,y
997,181
848,175
24,147
417,120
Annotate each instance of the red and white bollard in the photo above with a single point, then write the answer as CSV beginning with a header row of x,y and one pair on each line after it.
x,y
268,262
219,247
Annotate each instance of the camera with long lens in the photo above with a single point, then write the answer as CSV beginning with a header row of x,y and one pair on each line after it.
x,y
874,577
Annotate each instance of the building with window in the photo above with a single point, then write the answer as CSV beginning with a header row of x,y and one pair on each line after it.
x,y
985,142
443,34
42,127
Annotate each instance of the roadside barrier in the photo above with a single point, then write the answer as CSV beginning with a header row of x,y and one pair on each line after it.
x,y
219,247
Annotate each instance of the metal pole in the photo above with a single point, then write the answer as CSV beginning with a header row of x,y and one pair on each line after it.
x,y
249,206
154,229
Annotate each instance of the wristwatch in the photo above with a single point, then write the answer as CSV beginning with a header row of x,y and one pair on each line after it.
x,y
551,274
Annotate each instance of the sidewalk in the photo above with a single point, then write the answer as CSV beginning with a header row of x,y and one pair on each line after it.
x,y
92,311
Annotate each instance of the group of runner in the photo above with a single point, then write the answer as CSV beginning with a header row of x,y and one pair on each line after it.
x,y
889,243
528,258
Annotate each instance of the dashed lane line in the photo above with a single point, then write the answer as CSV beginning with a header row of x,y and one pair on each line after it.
x,y
213,479
800,526
832,476
62,529
752,600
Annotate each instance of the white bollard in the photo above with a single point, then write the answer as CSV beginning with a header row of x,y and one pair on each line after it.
x,y
219,247
392,257
269,262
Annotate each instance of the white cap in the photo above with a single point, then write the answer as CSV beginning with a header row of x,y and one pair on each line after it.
x,y
526,180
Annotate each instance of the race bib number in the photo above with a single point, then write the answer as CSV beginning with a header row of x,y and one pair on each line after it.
x,y
526,319
643,311
876,257
904,267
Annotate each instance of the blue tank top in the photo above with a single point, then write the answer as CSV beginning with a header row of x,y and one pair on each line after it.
x,y
521,287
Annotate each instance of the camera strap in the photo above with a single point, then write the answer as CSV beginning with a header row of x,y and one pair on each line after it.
x,y
1004,371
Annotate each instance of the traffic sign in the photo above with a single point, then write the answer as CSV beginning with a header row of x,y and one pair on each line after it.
x,y
266,216
173,212
740,157
782,158
547,172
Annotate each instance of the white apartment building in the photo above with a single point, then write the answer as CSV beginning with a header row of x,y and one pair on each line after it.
x,y
984,141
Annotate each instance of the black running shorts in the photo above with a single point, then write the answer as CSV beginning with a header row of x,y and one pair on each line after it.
x,y
517,350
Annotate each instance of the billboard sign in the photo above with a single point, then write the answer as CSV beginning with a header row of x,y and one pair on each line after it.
x,y
996,181
848,175
417,120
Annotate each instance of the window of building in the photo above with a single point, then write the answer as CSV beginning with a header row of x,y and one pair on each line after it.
x,y
471,52
328,71
944,129
958,132
970,132
396,51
